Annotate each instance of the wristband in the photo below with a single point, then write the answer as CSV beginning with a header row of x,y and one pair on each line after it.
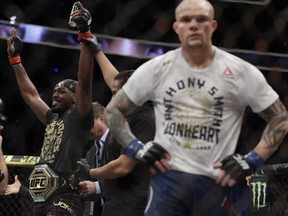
x,y
84,34
133,147
255,159
15,65
14,60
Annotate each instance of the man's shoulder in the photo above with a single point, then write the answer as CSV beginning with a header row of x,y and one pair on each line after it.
x,y
51,116
228,56
168,56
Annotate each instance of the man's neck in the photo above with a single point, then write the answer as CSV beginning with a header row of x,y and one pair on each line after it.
x,y
199,58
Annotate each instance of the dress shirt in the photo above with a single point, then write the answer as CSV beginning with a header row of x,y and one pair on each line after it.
x,y
99,156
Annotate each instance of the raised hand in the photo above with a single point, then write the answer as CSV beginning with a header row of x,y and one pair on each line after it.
x,y
14,44
92,43
82,18
14,47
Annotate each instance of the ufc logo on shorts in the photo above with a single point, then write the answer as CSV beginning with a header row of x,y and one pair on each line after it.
x,y
241,162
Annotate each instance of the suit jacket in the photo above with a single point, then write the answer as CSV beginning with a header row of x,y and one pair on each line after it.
x,y
91,154
91,160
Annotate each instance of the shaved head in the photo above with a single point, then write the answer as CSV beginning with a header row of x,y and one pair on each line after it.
x,y
183,5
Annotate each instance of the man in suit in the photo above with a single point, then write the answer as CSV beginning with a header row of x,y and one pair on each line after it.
x,y
124,183
90,187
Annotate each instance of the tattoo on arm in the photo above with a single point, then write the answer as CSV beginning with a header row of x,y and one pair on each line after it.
x,y
116,111
277,127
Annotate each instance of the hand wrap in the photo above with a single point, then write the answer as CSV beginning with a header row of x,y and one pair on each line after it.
x,y
92,43
14,58
83,22
147,154
239,166
83,170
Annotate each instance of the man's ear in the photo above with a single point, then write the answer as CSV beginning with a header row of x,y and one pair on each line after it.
x,y
102,118
214,25
175,27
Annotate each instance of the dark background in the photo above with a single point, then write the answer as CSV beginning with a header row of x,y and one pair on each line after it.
x,y
241,26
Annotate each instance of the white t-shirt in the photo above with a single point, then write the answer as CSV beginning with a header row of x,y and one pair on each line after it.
x,y
199,112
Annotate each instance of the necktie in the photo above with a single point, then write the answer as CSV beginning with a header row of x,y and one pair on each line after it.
x,y
98,154
98,162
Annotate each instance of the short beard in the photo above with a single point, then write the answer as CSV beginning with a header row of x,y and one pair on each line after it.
x,y
55,110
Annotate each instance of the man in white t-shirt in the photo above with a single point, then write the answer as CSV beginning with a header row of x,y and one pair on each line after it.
x,y
200,93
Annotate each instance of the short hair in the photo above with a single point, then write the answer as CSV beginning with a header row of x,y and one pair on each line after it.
x,y
98,109
123,76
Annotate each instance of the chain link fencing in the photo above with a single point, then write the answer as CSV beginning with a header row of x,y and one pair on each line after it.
x,y
15,205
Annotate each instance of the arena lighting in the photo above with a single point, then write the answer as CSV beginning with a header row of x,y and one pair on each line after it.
x,y
258,2
13,20
55,69
67,39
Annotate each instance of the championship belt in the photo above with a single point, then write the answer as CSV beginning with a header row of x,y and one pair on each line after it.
x,y
44,182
